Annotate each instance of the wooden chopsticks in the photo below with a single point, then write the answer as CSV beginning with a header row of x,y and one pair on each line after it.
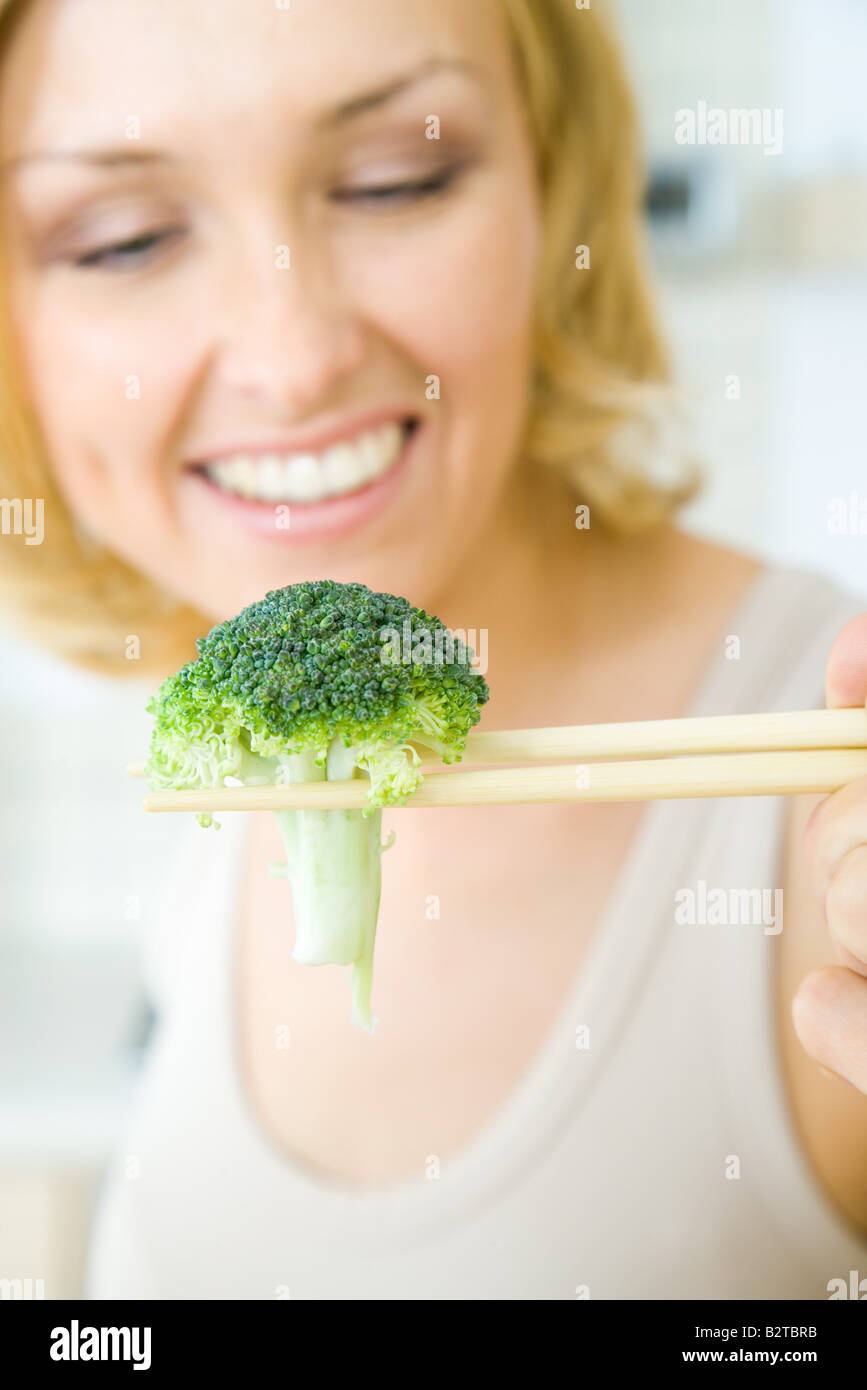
x,y
753,755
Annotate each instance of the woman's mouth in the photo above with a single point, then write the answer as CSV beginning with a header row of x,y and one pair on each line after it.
x,y
308,478
319,493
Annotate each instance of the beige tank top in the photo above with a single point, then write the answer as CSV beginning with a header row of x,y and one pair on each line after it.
x,y
649,1151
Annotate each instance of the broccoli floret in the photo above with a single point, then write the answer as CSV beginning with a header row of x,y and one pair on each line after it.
x,y
320,681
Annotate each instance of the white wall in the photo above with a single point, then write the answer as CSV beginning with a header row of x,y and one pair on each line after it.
x,y
783,304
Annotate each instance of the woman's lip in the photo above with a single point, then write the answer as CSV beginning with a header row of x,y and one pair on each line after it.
x,y
345,430
316,521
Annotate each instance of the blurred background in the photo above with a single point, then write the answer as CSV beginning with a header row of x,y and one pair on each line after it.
x,y
762,270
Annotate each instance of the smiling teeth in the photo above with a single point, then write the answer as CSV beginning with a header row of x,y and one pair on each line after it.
x,y
308,477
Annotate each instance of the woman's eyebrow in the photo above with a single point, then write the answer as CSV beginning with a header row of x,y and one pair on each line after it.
x,y
378,96
106,158
120,156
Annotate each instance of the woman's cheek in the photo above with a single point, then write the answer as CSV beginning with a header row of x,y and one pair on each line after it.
x,y
128,373
458,293
107,395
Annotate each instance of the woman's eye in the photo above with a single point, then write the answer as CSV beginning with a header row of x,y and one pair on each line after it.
x,y
137,251
129,254
407,191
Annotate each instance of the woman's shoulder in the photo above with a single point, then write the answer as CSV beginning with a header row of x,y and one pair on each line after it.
x,y
771,589
768,626
714,629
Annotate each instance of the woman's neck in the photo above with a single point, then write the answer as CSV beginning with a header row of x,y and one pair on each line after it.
x,y
567,616
530,591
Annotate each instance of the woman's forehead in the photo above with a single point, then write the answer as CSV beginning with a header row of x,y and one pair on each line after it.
x,y
82,68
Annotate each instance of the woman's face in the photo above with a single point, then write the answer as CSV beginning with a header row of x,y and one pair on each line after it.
x,y
272,274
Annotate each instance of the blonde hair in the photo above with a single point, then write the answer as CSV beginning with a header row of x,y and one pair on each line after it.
x,y
600,398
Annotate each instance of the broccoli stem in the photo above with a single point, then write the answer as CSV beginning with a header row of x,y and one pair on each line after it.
x,y
333,864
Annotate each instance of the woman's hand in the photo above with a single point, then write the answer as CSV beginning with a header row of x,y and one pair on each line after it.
x,y
830,1007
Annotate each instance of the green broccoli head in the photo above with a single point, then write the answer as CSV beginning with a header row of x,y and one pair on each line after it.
x,y
308,670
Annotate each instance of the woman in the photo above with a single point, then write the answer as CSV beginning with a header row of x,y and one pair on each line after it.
x,y
294,294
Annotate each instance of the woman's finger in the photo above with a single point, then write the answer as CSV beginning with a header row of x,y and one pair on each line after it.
x,y
846,672
846,908
836,828
829,1012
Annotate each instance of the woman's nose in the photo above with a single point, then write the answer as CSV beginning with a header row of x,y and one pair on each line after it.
x,y
287,336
